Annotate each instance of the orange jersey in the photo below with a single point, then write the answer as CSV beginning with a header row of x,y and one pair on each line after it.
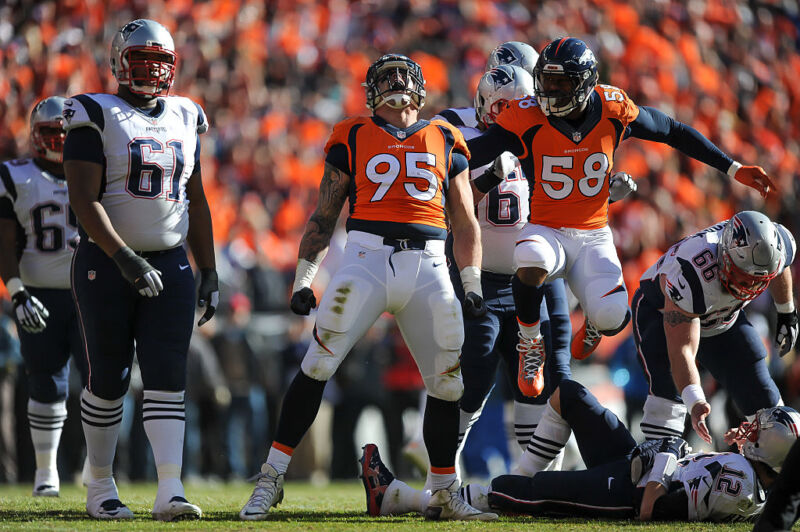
x,y
569,168
399,177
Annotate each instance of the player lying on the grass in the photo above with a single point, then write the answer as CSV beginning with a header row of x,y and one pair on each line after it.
x,y
655,480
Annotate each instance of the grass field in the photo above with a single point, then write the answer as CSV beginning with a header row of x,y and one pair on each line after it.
x,y
338,506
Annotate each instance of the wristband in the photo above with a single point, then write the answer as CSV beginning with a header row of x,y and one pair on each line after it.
x,y
785,308
14,285
486,181
664,465
471,280
304,274
733,168
691,395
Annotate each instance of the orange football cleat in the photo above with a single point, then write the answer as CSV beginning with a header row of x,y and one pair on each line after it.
x,y
530,377
585,341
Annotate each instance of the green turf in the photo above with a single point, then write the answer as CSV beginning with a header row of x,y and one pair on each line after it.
x,y
338,506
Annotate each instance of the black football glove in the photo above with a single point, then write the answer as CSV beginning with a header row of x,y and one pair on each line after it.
x,y
473,306
137,271
303,301
208,294
644,454
29,311
786,333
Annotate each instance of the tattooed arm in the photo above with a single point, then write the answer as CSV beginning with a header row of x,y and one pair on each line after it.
x,y
682,331
314,245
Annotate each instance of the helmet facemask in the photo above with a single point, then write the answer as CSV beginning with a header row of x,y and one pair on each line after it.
x,y
750,255
769,436
147,70
395,81
740,284
47,139
560,93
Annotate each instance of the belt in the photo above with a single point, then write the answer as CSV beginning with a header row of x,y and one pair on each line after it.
x,y
404,244
157,253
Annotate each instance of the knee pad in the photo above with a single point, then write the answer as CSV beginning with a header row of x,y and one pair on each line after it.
x,y
618,330
446,383
662,417
448,322
323,358
607,310
536,253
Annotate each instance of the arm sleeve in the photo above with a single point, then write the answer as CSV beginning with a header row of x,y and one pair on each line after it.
x,y
337,157
485,148
652,124
673,506
83,144
460,163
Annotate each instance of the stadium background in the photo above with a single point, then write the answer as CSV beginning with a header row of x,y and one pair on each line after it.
x,y
275,76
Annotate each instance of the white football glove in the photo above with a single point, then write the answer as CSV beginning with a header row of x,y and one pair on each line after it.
x,y
505,163
620,185
31,314
149,284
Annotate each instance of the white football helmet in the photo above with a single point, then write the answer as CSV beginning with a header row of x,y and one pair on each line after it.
x,y
143,58
47,129
770,436
497,87
513,53
750,254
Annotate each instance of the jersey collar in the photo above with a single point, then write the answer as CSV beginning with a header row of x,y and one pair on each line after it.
x,y
576,133
153,115
396,132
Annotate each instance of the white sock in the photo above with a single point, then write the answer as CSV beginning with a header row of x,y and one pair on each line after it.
x,y
46,421
441,481
530,331
279,460
526,419
476,495
400,498
547,442
164,422
100,419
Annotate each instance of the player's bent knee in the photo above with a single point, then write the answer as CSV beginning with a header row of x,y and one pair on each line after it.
x,y
612,316
448,323
535,255
446,383
319,365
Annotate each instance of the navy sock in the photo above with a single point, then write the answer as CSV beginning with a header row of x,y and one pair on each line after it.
x,y
528,300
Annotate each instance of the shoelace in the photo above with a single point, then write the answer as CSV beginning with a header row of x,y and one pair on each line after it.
x,y
266,487
592,334
533,352
459,505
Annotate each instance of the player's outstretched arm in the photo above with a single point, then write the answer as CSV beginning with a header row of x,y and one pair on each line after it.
x,y
201,242
317,237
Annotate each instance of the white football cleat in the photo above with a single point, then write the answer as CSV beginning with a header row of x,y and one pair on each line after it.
x,y
102,500
267,493
447,504
45,483
176,509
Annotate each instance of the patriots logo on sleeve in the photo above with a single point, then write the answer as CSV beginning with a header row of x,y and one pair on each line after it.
x,y
68,114
674,294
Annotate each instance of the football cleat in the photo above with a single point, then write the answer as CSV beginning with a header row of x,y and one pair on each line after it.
x,y
376,478
102,500
447,504
45,483
177,509
530,377
585,341
267,493
415,452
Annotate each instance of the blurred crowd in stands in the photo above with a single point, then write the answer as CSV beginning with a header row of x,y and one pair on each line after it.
x,y
275,75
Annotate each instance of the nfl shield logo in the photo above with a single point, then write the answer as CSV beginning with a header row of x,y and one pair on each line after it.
x,y
576,136
92,274
362,254
401,134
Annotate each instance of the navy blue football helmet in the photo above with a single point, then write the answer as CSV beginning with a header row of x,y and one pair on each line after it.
x,y
564,76
395,80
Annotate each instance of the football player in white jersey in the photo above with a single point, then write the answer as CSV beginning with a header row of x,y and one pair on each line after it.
x,y
38,234
502,211
656,480
132,164
689,305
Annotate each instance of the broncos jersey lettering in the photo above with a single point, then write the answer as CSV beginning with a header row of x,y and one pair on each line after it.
x,y
692,280
399,177
148,161
720,487
503,211
41,205
568,168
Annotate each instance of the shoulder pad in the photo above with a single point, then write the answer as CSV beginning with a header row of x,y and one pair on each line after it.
x,y
83,111
341,131
617,103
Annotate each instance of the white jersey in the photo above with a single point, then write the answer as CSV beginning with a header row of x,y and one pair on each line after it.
x,y
148,161
692,279
503,211
720,487
41,205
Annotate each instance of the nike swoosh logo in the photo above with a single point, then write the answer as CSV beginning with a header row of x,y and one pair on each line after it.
x,y
254,513
683,286
436,265
183,266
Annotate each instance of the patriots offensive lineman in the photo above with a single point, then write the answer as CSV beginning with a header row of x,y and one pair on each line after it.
x,y
656,480
403,176
502,212
690,304
38,234
132,163
565,138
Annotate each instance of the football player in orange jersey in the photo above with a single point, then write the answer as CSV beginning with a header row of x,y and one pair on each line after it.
x,y
405,179
565,137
